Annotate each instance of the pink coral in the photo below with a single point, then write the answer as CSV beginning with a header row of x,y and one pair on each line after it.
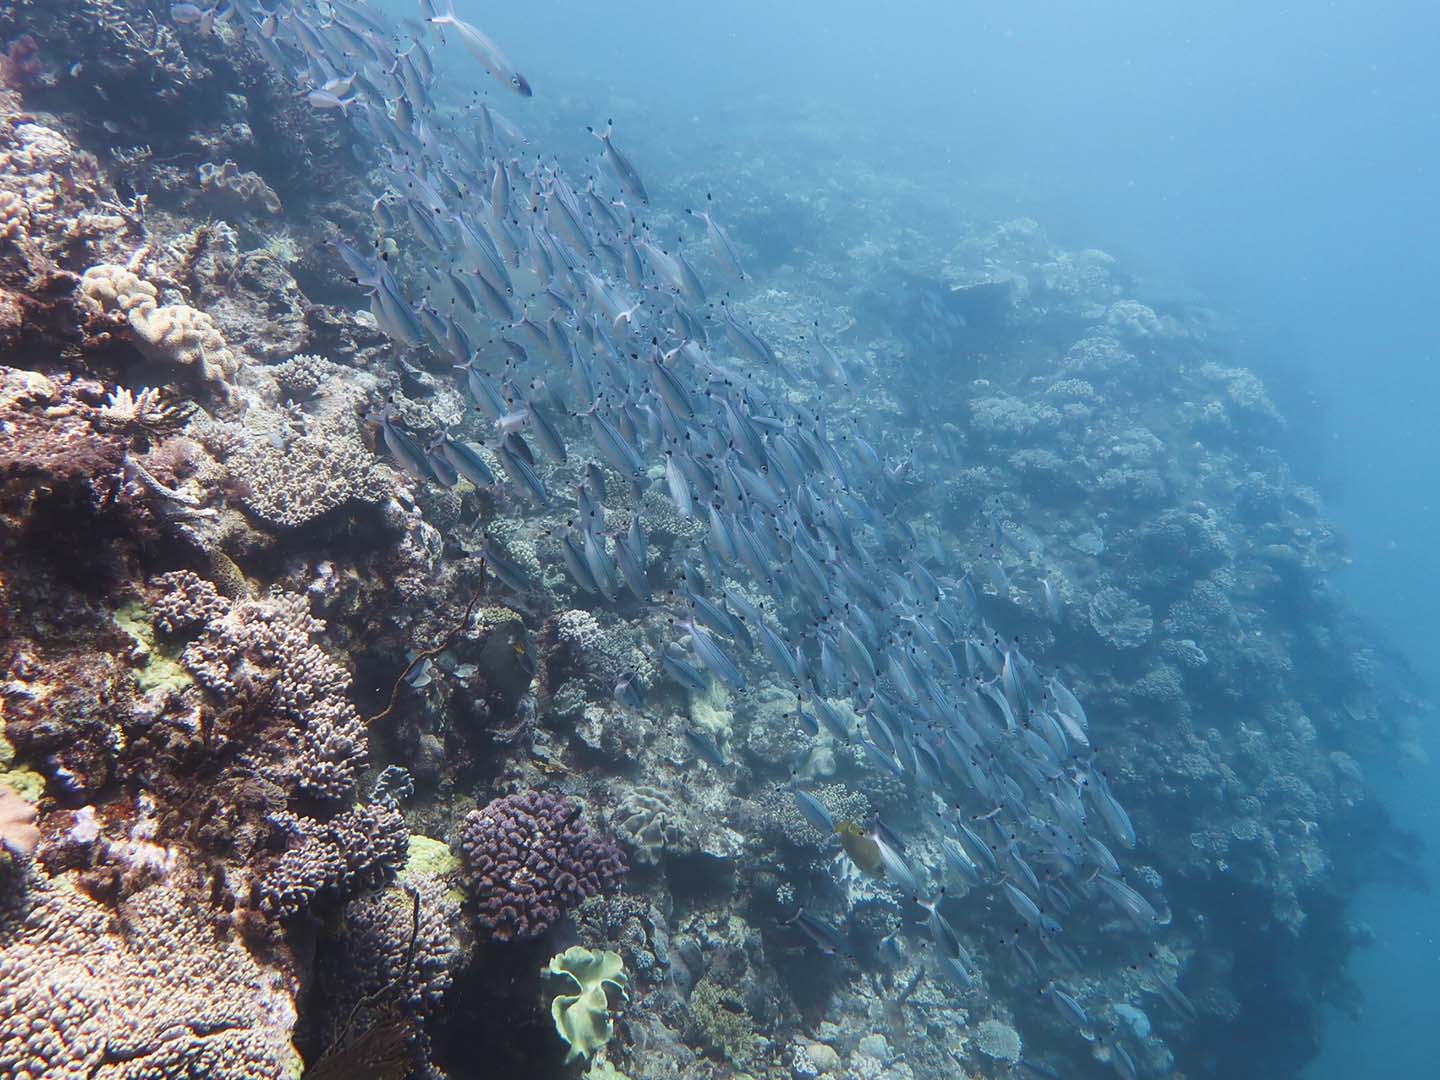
x,y
17,823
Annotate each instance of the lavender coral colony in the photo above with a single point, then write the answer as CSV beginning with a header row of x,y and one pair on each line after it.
x,y
387,568
529,859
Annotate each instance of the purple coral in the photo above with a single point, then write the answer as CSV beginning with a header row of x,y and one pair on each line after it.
x,y
528,860
361,847
264,648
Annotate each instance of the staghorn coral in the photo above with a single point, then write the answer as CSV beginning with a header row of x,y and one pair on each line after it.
x,y
172,334
263,647
149,991
528,860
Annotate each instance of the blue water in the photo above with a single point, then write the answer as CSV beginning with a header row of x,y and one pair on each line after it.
x,y
1281,159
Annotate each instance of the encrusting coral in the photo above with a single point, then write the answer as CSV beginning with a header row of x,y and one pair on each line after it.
x,y
148,991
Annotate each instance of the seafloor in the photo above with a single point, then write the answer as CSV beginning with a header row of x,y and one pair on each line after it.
x,y
258,681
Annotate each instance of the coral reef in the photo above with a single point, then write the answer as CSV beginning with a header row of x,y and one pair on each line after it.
x,y
149,991
241,582
529,859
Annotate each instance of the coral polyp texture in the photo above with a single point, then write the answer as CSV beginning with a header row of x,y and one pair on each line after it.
x,y
169,334
146,991
529,859
262,648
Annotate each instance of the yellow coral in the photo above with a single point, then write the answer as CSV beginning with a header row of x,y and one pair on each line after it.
x,y
174,333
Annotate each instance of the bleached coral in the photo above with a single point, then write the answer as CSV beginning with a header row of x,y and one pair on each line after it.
x,y
18,834
302,377
14,217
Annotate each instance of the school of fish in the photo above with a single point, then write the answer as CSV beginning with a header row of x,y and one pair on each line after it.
x,y
578,333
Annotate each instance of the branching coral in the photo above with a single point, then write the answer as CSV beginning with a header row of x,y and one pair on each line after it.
x,y
358,848
52,198
262,648
302,377
528,860
299,482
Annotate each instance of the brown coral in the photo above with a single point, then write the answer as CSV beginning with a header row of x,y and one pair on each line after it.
x,y
149,991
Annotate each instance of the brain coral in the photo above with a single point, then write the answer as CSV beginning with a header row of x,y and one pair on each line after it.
x,y
148,992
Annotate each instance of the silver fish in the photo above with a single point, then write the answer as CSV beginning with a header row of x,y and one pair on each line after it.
x,y
485,51
620,164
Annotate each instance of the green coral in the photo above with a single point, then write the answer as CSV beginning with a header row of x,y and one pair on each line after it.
x,y
155,668
26,783
583,1018
724,1023
430,856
